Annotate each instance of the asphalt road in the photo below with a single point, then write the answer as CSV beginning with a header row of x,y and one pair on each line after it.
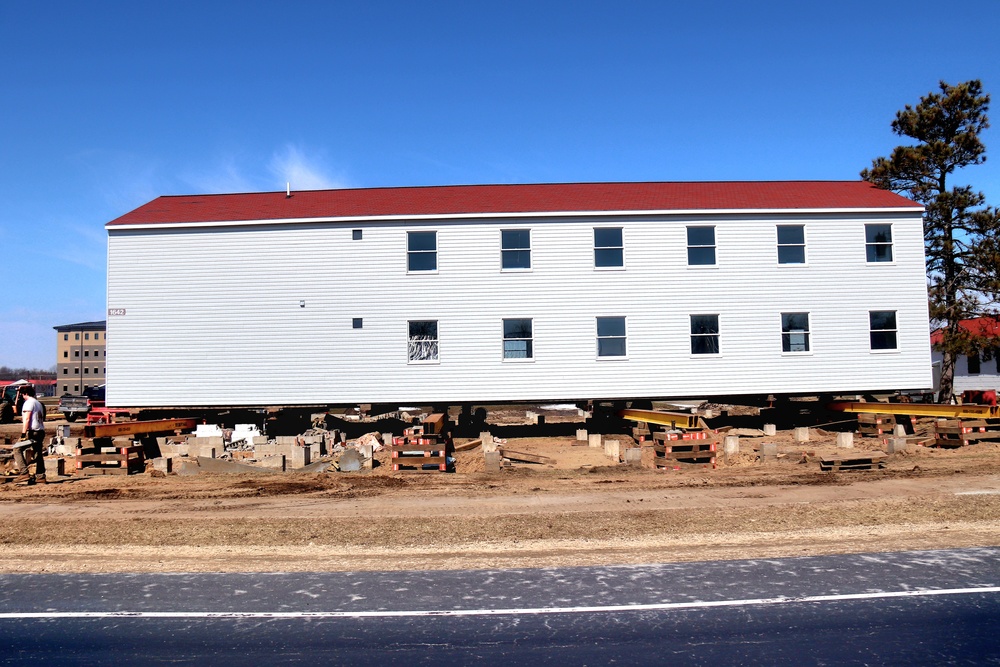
x,y
930,608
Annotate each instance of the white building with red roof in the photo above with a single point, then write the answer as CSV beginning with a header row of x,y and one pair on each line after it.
x,y
462,294
978,372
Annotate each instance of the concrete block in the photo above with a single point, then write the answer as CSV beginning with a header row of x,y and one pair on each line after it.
x,y
595,440
62,431
286,440
367,454
613,449
845,440
633,456
899,431
768,451
301,457
173,450
581,434
489,444
731,445
276,462
897,445
770,429
258,440
386,439
202,451
801,434
492,462
163,464
67,447
531,417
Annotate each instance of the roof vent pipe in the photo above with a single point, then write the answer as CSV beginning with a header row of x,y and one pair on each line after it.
x,y
288,190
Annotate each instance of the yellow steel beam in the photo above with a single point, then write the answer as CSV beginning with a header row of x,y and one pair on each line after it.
x,y
137,428
920,409
671,419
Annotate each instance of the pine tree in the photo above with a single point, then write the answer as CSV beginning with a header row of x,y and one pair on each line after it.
x,y
960,231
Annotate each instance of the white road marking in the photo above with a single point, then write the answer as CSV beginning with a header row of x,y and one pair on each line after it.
x,y
666,606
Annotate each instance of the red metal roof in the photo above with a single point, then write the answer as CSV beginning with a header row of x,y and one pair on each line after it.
x,y
979,327
538,198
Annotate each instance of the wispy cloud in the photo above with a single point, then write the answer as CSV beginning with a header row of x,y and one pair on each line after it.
x,y
303,171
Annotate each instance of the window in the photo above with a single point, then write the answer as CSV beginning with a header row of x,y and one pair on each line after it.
x,y
611,337
65,337
65,371
97,336
65,388
76,371
515,247
608,248
882,329
76,387
86,353
795,332
357,323
76,353
878,243
423,341
76,336
975,364
517,339
701,246
355,234
65,354
421,251
86,336
704,334
86,370
791,244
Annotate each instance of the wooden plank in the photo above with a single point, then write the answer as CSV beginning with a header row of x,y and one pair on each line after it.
x,y
466,446
434,423
136,428
524,457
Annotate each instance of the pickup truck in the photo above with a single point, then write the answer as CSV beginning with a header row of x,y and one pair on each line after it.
x,y
75,407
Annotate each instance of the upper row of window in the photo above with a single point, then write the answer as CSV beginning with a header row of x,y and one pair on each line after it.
x,y
609,249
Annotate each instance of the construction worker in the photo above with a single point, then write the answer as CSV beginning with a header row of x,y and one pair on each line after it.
x,y
33,436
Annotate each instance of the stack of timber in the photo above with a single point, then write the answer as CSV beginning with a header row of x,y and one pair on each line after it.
x,y
876,424
99,454
103,456
418,450
858,461
641,432
670,447
959,432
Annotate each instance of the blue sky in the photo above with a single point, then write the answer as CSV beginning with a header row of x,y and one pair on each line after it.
x,y
107,105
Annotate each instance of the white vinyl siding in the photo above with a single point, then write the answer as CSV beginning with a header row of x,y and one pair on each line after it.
x,y
211,315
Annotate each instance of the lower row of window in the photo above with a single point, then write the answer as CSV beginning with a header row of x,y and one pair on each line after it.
x,y
518,338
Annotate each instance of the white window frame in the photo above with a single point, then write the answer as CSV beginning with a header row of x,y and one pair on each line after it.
x,y
872,332
786,334
620,248
874,245
611,337
412,253
433,343
702,246
717,335
505,251
530,340
780,245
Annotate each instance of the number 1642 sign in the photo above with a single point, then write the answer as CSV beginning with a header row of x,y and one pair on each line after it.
x,y
115,311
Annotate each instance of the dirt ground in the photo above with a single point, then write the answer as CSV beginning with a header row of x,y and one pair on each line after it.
x,y
580,509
